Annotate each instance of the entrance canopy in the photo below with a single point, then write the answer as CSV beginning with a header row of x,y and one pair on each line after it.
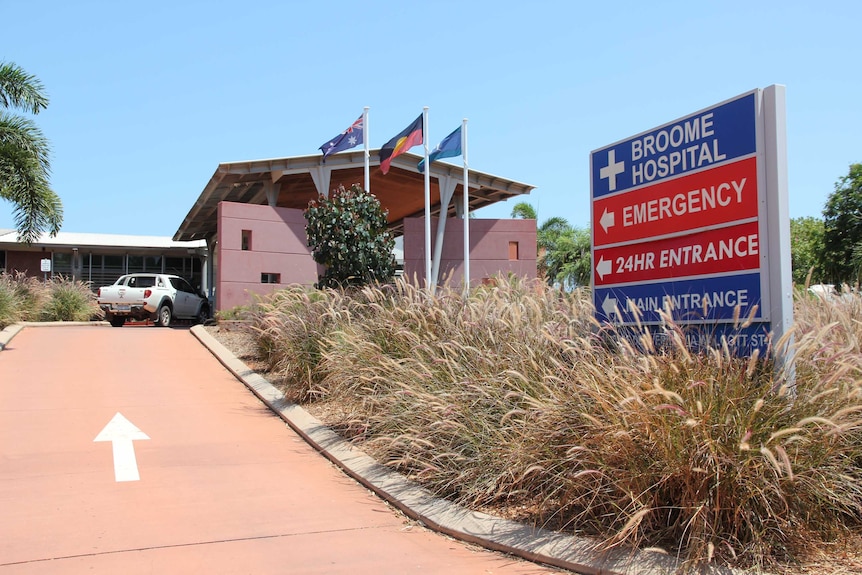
x,y
293,182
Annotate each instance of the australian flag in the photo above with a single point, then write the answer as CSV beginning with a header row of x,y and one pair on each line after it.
x,y
349,138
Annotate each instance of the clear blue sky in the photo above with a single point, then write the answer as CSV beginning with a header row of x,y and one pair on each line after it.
x,y
148,98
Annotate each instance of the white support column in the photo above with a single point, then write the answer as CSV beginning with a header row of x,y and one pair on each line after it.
x,y
459,205
447,189
321,176
272,190
205,280
429,284
209,272
778,218
465,209
366,134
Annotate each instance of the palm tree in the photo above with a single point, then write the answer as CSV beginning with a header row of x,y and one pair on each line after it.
x,y
24,162
548,236
524,211
574,258
564,250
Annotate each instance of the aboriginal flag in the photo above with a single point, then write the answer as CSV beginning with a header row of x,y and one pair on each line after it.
x,y
406,139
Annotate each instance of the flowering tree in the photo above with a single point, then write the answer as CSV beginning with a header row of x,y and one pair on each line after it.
x,y
347,233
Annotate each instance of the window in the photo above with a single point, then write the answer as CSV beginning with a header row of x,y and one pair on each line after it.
x,y
174,265
142,281
115,263
188,267
62,264
153,263
2,261
246,240
182,285
106,269
513,251
270,278
135,264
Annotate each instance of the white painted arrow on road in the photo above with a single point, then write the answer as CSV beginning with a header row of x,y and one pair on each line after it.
x,y
607,220
604,267
121,433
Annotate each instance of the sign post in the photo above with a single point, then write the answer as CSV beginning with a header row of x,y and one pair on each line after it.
x,y
45,266
690,221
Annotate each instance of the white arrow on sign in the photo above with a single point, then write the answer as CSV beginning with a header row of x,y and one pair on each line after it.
x,y
609,306
604,267
607,220
121,433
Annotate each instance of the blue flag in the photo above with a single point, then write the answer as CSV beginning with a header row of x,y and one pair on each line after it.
x,y
448,148
349,138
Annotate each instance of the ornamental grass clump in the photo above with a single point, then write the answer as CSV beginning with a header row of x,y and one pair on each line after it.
x,y
8,303
26,298
289,326
705,456
68,300
21,298
29,293
514,399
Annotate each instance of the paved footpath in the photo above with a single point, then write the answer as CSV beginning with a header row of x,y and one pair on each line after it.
x,y
221,486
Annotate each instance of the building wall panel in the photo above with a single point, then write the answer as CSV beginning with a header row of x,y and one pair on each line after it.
x,y
278,246
489,249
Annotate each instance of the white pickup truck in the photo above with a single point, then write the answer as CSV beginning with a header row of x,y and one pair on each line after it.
x,y
160,297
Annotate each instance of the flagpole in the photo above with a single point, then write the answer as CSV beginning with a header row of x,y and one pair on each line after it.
x,y
466,209
428,282
365,136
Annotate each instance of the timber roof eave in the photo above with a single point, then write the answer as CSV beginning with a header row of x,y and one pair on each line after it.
x,y
254,175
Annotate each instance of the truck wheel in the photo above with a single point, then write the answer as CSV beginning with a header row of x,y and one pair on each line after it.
x,y
163,316
117,321
203,315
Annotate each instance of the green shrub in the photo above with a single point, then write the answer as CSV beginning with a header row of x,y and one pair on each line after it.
x,y
238,313
68,300
289,325
24,298
8,304
347,233
31,294
20,298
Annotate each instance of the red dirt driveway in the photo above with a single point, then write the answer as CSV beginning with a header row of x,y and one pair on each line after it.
x,y
205,480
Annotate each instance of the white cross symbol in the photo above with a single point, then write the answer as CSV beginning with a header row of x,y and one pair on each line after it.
x,y
612,169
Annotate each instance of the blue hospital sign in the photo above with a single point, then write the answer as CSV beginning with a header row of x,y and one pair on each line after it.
x,y
709,138
688,222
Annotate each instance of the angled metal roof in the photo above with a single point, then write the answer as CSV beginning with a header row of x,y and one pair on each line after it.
x,y
291,183
90,240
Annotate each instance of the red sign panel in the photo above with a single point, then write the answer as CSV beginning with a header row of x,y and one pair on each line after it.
x,y
730,249
716,196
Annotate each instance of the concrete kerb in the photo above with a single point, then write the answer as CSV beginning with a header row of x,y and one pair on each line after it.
x,y
539,545
8,333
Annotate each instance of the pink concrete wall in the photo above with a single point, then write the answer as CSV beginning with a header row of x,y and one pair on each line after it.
x,y
278,245
489,248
